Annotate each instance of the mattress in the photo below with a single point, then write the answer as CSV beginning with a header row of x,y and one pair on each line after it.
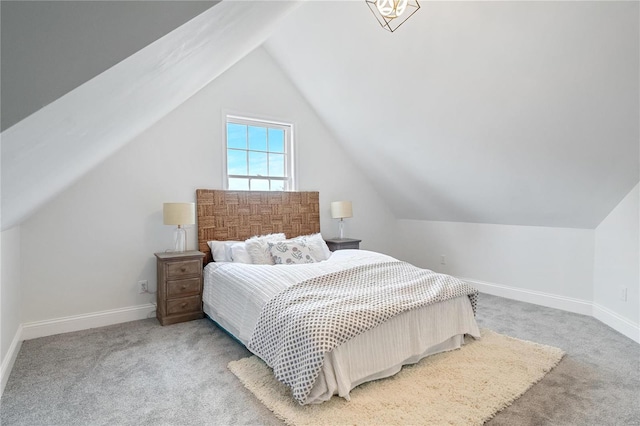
x,y
234,294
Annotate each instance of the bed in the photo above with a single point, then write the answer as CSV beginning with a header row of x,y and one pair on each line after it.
x,y
235,295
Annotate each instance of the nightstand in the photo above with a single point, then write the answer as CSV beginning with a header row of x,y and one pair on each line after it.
x,y
179,295
342,243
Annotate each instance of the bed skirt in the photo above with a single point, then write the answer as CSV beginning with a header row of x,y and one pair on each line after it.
x,y
383,350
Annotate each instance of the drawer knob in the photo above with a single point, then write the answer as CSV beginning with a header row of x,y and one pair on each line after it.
x,y
184,287
183,305
183,269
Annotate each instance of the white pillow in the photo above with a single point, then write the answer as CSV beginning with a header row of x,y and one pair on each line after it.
x,y
220,251
258,248
290,252
318,247
238,253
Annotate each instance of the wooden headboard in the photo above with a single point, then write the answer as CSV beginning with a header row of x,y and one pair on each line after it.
x,y
238,215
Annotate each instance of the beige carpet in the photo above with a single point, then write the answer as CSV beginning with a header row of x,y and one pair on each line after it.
x,y
462,387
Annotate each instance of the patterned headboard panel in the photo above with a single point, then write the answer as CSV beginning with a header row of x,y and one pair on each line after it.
x,y
238,215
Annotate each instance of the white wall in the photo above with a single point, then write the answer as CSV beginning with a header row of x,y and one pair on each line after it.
x,y
506,112
617,263
549,266
96,240
10,299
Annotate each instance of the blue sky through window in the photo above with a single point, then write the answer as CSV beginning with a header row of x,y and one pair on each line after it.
x,y
256,157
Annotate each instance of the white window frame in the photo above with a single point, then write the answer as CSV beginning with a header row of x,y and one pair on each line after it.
x,y
289,167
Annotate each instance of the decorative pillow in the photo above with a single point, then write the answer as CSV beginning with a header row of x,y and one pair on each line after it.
x,y
318,247
227,249
220,251
290,252
258,248
238,253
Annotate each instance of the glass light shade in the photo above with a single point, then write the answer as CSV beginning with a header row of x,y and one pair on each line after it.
x,y
391,8
392,13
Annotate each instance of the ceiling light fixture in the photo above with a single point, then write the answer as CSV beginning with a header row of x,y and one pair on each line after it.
x,y
392,13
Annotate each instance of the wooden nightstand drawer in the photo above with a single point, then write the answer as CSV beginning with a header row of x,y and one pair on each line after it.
x,y
181,288
179,295
183,305
180,269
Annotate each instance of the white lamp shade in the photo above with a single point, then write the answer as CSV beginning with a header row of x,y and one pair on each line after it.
x,y
341,209
179,213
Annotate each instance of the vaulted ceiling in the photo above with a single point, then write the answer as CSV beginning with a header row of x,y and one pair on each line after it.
x,y
522,113
51,47
50,149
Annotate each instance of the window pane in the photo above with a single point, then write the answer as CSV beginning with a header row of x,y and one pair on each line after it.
x,y
236,162
259,185
276,140
277,185
257,138
237,184
276,165
258,163
258,155
236,136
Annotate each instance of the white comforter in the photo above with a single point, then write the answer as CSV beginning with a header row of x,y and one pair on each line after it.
x,y
234,295
237,291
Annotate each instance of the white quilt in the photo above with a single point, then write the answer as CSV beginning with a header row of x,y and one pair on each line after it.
x,y
299,326
236,292
234,295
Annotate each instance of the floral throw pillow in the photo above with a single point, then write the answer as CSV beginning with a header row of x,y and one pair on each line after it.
x,y
316,244
290,253
258,248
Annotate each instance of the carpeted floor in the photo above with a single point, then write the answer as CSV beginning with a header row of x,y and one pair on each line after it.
x,y
141,373
467,386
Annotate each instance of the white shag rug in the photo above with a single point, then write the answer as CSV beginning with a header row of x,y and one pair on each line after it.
x,y
467,386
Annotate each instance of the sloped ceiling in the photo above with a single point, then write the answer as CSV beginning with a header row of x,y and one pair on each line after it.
x,y
49,48
52,148
523,113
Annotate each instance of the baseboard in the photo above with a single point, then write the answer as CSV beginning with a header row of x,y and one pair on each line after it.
x,y
10,359
536,297
37,329
32,330
606,316
618,323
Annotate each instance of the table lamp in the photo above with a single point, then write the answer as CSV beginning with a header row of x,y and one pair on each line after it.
x,y
340,210
179,214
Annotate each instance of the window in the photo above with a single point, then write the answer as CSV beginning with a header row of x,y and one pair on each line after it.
x,y
259,155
